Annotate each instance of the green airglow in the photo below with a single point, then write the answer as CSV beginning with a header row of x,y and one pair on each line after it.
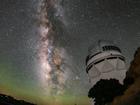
x,y
25,89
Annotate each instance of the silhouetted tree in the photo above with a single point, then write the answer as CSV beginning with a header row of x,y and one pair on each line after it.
x,y
104,91
128,81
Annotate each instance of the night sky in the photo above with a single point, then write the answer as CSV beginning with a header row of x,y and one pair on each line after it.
x,y
74,25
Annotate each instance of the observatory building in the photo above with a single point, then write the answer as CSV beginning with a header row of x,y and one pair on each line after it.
x,y
105,61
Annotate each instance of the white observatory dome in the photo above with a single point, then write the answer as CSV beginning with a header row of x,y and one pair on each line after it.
x,y
105,61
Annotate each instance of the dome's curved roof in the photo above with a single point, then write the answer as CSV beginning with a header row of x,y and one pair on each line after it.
x,y
98,46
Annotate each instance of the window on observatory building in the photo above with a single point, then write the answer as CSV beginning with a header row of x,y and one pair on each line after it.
x,y
105,48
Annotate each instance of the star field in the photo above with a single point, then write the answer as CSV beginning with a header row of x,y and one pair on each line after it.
x,y
77,24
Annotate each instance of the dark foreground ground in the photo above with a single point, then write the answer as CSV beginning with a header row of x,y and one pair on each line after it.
x,y
8,100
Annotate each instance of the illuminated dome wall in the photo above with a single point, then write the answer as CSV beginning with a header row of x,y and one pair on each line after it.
x,y
105,61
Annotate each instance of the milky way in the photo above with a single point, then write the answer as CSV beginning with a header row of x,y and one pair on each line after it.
x,y
53,59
